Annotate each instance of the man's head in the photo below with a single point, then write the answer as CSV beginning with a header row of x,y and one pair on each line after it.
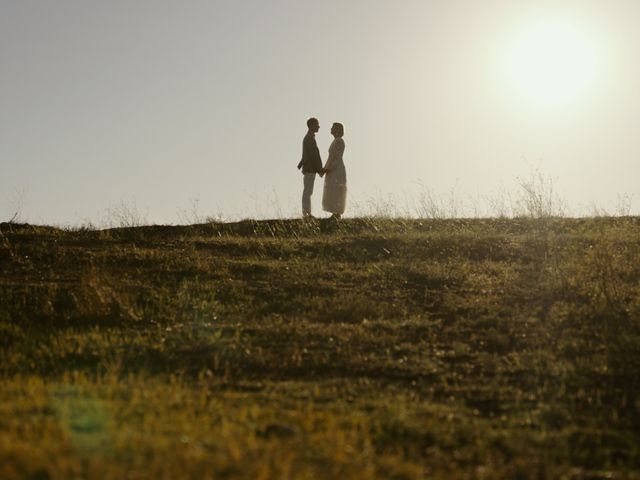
x,y
313,125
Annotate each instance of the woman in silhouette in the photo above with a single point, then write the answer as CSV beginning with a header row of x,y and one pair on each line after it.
x,y
334,195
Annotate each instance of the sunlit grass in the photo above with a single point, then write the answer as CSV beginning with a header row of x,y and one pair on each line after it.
x,y
367,348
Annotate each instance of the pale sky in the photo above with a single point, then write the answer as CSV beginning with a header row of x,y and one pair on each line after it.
x,y
163,104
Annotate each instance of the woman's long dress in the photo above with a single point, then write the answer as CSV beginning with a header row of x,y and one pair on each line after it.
x,y
334,195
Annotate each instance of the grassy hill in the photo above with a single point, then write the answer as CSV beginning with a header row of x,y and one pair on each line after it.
x,y
362,349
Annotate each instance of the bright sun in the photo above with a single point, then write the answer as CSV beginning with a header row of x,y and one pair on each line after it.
x,y
552,63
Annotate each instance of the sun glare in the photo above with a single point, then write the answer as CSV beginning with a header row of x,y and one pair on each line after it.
x,y
552,63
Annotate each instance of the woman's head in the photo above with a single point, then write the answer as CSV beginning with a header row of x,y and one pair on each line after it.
x,y
337,129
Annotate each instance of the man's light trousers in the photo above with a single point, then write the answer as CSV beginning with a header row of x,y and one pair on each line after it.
x,y
308,179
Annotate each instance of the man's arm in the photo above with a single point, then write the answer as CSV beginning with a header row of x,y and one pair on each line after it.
x,y
317,161
306,152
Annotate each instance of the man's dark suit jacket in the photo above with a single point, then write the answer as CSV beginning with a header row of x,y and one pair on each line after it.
x,y
311,161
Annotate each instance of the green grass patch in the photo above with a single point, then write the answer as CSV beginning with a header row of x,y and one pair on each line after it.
x,y
365,348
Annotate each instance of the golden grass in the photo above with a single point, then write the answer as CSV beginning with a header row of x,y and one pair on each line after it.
x,y
368,348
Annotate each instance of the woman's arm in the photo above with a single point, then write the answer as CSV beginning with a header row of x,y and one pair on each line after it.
x,y
328,166
335,153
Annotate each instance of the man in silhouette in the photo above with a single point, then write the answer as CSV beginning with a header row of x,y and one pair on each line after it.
x,y
311,164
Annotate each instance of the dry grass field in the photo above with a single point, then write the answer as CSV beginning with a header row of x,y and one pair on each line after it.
x,y
369,348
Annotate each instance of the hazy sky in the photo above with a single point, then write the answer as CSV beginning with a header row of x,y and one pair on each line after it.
x,y
157,104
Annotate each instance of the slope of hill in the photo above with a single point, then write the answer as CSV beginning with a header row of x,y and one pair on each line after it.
x,y
287,349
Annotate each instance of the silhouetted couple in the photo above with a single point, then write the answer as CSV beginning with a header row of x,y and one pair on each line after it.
x,y
334,194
